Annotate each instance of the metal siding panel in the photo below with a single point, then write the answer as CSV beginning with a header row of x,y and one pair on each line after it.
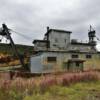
x,y
35,63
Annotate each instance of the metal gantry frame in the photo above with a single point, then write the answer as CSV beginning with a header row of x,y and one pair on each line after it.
x,y
5,33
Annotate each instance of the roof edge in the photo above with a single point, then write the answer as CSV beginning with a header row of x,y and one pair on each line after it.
x,y
57,30
39,41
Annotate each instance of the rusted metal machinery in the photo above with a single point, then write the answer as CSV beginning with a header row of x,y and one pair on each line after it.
x,y
91,35
5,32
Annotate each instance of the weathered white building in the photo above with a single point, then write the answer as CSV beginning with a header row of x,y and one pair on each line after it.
x,y
40,45
58,39
57,52
53,40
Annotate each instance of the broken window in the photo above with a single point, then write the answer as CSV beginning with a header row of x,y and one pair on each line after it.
x,y
51,59
74,56
88,56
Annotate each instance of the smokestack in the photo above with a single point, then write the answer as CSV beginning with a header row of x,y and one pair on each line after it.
x,y
48,28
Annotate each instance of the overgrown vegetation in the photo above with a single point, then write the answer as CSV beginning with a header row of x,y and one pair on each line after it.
x,y
8,58
78,91
6,49
70,86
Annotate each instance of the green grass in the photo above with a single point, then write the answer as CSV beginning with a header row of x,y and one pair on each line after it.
x,y
79,91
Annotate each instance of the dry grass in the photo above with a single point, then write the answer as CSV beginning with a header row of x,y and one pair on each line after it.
x,y
49,80
20,88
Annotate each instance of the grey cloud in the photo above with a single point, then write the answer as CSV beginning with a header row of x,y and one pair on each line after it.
x,y
30,17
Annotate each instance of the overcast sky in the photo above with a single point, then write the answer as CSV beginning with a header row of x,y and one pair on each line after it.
x,y
31,17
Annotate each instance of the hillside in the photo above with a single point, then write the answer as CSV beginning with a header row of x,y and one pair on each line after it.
x,y
7,49
8,58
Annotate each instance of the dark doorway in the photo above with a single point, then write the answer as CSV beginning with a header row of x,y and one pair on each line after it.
x,y
75,64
